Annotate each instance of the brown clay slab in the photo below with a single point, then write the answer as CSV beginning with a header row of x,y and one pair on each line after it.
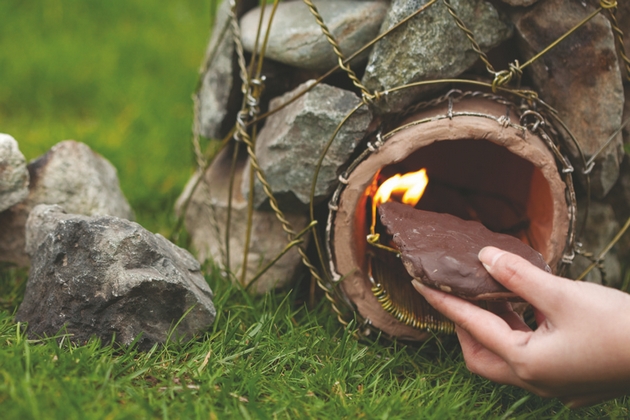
x,y
440,250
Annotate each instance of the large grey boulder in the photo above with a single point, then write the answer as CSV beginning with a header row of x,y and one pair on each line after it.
x,y
292,140
296,39
14,176
69,174
206,222
110,278
220,91
579,77
429,46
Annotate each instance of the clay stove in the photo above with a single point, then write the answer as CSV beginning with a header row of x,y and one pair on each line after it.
x,y
482,164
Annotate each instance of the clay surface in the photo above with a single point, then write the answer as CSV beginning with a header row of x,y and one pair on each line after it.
x,y
440,250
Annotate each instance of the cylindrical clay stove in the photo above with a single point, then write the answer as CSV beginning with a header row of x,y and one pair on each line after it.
x,y
482,165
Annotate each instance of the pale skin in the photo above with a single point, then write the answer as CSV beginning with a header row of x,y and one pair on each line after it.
x,y
580,351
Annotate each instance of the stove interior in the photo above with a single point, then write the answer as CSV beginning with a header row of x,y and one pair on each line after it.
x,y
474,180
480,180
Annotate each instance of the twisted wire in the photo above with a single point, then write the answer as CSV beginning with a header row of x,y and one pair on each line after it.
x,y
240,53
365,93
621,49
252,89
471,37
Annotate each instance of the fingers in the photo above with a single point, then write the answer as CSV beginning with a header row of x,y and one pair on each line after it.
x,y
504,311
491,331
483,362
541,289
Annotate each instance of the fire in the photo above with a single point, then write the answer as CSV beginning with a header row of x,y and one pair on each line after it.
x,y
408,188
410,185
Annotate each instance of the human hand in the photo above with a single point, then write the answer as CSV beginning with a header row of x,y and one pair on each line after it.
x,y
580,351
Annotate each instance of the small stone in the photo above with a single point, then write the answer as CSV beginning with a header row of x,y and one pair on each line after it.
x,y
206,223
580,78
110,278
429,46
291,142
78,179
220,92
296,39
71,175
601,227
13,174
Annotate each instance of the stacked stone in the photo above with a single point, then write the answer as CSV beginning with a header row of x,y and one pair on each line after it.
x,y
582,78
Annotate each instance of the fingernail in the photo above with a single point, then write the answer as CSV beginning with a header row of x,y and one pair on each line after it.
x,y
489,255
419,286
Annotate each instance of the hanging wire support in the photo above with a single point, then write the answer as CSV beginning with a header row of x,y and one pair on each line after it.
x,y
368,97
591,162
471,37
329,292
604,4
621,49
602,254
297,240
318,167
253,104
252,90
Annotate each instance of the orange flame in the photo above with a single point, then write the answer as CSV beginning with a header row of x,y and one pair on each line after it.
x,y
411,185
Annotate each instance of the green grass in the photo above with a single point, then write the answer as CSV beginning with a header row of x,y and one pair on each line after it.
x,y
264,358
118,76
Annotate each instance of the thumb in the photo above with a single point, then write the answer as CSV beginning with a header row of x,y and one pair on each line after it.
x,y
536,286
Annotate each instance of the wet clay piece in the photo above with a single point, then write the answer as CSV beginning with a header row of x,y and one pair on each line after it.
x,y
440,250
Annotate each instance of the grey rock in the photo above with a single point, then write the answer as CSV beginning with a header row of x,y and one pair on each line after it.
x,y
580,78
430,46
220,94
110,278
292,140
71,175
78,179
601,227
13,174
296,39
206,223
12,222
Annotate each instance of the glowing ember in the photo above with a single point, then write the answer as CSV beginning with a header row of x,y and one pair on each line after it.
x,y
410,185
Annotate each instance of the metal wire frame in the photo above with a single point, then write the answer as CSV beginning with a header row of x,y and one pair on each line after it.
x,y
524,124
500,80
